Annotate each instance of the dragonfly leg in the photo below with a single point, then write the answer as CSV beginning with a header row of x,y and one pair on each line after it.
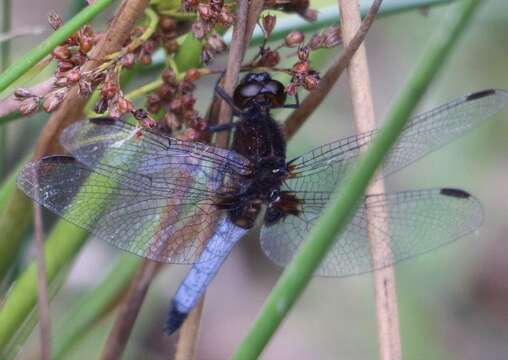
x,y
221,127
296,105
226,97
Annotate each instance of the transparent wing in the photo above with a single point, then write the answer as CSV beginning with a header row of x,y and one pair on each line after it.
x,y
121,145
417,221
150,216
324,167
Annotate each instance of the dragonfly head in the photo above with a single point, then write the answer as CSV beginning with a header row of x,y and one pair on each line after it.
x,y
259,90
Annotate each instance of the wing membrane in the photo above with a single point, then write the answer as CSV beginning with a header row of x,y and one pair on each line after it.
x,y
418,221
144,215
121,145
324,167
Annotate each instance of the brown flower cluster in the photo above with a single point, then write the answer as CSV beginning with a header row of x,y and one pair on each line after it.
x,y
176,100
69,56
302,74
165,36
301,71
210,14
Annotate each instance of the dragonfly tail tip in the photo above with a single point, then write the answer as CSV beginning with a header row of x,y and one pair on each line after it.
x,y
174,321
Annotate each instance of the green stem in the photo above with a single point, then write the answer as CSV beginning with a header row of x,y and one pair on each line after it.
x,y
38,53
5,54
299,272
15,217
145,89
94,304
61,247
179,15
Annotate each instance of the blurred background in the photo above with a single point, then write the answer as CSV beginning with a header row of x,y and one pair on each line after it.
x,y
453,301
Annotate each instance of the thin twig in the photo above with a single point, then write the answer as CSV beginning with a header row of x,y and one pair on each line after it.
x,y
188,335
242,31
234,64
10,105
314,99
363,109
42,286
128,312
22,31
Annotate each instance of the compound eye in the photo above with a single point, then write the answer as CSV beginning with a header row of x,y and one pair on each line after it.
x,y
246,92
274,92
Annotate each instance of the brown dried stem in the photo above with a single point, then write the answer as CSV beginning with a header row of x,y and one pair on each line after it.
x,y
314,99
246,19
187,338
128,312
234,64
363,109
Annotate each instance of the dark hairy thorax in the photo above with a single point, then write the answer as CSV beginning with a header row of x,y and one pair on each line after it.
x,y
259,138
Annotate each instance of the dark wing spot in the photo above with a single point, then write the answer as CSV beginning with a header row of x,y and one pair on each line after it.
x,y
455,193
480,94
103,120
58,159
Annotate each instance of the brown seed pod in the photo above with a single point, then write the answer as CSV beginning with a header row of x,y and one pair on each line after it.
x,y
172,121
21,94
204,12
216,43
144,58
61,52
269,22
168,76
303,53
109,89
167,24
332,37
128,60
73,75
85,87
86,43
55,21
301,67
294,39
52,100
198,30
270,58
61,81
29,106
226,18
311,82
170,45
192,74
124,105
166,92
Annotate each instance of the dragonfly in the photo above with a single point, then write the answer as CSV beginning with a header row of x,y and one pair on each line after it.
x,y
183,202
